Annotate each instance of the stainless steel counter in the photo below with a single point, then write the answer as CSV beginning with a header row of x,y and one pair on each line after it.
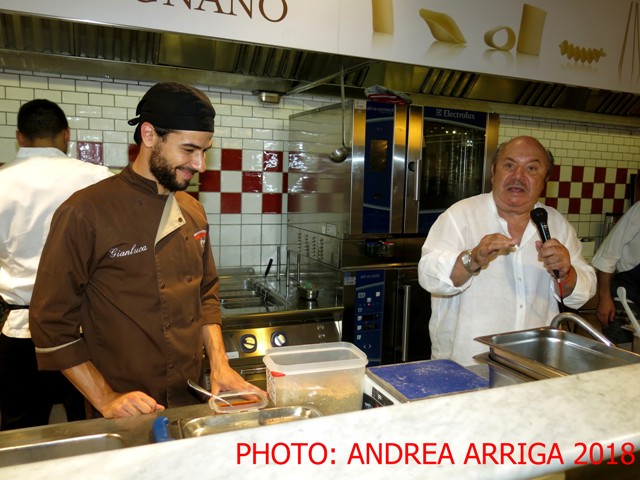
x,y
88,436
99,435
538,416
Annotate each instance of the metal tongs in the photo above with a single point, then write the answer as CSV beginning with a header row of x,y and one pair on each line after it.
x,y
206,392
241,401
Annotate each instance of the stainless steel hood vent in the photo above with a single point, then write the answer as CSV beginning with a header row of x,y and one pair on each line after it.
x,y
60,46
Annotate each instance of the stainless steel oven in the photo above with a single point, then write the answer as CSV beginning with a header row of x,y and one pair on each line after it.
x,y
367,217
408,163
386,312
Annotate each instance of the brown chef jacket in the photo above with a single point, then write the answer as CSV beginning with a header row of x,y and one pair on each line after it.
x,y
126,280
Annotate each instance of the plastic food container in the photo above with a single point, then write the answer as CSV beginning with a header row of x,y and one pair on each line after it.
x,y
327,376
237,401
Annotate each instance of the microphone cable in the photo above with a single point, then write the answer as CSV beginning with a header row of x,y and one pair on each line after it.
x,y
561,294
560,289
539,217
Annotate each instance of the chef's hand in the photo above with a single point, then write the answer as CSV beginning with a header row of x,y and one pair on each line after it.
x,y
606,310
86,378
128,405
223,378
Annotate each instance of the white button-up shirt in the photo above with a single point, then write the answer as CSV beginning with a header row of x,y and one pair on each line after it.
x,y
515,292
621,249
32,186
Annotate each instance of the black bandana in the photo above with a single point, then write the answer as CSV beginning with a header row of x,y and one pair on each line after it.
x,y
174,106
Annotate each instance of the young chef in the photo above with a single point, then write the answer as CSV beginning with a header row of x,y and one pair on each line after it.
x,y
127,290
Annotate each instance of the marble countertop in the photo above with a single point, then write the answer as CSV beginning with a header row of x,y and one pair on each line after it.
x,y
540,427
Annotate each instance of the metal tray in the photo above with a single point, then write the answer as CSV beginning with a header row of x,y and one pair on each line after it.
x,y
208,425
499,374
548,352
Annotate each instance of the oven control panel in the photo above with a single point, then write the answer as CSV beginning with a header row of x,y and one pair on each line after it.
x,y
368,312
254,342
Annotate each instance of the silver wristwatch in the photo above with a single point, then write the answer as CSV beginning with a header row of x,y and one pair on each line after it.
x,y
466,263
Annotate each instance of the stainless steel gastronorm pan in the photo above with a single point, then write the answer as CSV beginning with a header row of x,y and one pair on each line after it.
x,y
548,352
210,424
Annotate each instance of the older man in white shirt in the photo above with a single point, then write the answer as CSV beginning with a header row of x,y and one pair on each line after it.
x,y
486,267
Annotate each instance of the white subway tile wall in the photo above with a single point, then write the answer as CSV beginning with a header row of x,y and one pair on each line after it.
x,y
244,188
584,152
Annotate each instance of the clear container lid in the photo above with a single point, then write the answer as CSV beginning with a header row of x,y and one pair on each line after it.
x,y
238,401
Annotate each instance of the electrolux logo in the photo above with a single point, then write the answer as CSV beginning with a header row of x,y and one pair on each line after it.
x,y
271,10
456,117
457,114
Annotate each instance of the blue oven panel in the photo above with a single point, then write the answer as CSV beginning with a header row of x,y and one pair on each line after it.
x,y
379,140
368,313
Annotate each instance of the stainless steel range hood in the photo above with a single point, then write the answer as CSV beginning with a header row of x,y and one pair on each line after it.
x,y
59,46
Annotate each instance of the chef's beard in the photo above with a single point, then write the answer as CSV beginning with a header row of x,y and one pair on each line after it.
x,y
164,173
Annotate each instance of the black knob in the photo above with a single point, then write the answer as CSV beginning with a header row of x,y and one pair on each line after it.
x,y
278,339
248,343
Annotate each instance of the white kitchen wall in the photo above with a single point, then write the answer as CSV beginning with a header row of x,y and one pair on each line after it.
x,y
584,146
98,110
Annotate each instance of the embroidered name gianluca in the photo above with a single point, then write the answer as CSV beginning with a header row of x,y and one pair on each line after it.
x,y
116,252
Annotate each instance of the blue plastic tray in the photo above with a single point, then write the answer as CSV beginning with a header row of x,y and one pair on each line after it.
x,y
416,380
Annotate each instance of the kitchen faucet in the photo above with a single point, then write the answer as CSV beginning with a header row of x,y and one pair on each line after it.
x,y
567,316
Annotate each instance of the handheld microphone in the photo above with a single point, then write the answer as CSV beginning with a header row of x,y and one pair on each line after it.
x,y
539,217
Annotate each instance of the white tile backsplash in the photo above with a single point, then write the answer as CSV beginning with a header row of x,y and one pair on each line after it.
x,y
232,180
272,182
115,154
250,256
251,202
230,235
229,257
251,235
14,93
98,110
271,234
252,160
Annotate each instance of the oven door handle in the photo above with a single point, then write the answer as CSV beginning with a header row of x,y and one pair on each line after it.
x,y
418,176
406,309
252,371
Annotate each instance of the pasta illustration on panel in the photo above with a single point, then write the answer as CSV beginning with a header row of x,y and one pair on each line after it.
x,y
581,54
442,26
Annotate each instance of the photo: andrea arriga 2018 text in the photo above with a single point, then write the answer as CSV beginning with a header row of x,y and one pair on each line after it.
x,y
432,453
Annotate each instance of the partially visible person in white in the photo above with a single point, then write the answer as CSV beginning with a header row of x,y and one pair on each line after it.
x,y
32,186
484,263
617,264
